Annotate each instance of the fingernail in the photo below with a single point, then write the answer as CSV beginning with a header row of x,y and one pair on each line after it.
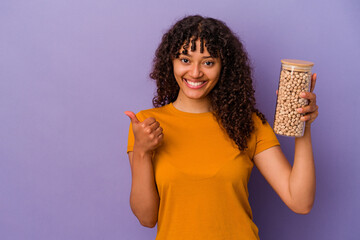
x,y
299,110
302,118
302,94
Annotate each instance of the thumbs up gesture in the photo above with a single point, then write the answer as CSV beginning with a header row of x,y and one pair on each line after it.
x,y
148,133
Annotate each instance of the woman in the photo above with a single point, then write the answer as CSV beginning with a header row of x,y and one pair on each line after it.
x,y
191,156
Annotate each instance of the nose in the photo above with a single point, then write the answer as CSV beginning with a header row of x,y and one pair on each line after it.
x,y
195,71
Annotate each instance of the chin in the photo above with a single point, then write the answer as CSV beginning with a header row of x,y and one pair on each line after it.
x,y
195,96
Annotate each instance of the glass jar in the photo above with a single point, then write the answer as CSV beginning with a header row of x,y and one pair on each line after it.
x,y
295,78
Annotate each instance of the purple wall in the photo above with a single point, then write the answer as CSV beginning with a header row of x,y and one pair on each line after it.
x,y
69,69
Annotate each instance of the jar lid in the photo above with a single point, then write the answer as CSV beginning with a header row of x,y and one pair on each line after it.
x,y
299,63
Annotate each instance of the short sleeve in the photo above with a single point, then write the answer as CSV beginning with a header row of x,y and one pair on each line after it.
x,y
265,136
131,138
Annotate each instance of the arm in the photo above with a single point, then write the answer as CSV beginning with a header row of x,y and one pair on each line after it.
x,y
144,198
295,185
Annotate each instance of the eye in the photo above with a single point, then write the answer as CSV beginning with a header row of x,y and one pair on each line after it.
x,y
184,60
209,63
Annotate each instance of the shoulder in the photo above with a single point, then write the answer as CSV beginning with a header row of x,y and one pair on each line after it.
x,y
263,136
152,112
260,127
258,121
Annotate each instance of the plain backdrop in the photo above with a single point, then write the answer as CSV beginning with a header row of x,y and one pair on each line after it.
x,y
69,69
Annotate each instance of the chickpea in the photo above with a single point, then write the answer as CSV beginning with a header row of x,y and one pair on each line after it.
x,y
291,83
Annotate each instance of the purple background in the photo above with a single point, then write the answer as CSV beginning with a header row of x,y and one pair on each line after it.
x,y
69,69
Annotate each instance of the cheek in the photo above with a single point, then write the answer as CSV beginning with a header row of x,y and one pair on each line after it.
x,y
215,76
179,71
178,75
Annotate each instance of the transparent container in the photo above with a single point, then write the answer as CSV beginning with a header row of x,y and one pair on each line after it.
x,y
295,77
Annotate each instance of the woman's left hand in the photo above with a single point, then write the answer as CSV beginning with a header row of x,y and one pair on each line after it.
x,y
311,111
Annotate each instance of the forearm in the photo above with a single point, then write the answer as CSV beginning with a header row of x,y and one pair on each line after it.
x,y
144,198
302,177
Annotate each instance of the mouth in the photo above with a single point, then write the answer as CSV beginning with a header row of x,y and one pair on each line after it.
x,y
194,84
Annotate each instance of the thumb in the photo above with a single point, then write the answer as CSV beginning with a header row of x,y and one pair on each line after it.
x,y
132,117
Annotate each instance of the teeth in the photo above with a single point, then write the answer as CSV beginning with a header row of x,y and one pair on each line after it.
x,y
194,83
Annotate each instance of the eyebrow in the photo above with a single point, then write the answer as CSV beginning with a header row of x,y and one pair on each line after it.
x,y
191,56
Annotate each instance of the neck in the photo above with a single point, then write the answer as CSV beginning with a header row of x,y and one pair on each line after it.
x,y
192,105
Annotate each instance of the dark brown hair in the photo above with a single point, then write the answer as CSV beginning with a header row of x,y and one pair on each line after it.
x,y
232,99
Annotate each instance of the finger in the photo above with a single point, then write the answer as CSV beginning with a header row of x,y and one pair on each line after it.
x,y
313,82
308,109
308,95
309,117
161,136
277,92
149,121
158,131
153,127
160,139
132,117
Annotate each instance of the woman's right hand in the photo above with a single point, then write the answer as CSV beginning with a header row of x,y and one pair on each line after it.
x,y
148,133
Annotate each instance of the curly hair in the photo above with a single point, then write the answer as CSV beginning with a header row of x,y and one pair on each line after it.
x,y
232,99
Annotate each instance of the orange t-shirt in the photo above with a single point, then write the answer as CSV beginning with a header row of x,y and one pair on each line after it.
x,y
202,177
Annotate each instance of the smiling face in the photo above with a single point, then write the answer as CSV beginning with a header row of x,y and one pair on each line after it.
x,y
196,73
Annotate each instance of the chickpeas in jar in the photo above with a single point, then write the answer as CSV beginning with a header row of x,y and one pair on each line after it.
x,y
295,78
